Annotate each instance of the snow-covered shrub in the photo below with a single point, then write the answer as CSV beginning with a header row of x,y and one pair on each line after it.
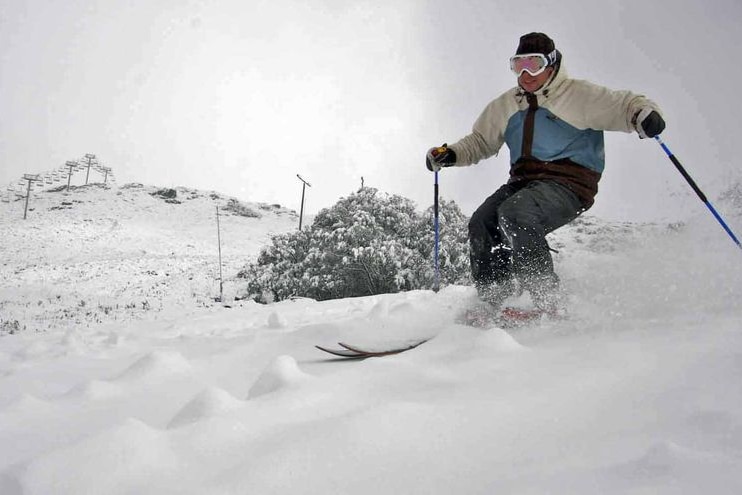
x,y
166,193
9,327
240,209
368,243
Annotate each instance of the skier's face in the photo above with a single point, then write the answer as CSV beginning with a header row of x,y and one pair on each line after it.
x,y
531,83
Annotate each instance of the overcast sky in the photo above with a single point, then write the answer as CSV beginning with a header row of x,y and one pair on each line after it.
x,y
240,96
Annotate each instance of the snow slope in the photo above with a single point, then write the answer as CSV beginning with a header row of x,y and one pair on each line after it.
x,y
99,252
638,392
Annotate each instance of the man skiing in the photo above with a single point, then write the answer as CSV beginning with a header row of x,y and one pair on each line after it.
x,y
553,126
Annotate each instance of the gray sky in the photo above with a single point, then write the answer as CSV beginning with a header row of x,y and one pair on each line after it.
x,y
240,96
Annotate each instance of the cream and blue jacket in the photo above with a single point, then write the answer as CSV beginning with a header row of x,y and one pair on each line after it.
x,y
555,133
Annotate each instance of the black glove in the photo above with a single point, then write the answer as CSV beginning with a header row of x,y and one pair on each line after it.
x,y
649,123
439,157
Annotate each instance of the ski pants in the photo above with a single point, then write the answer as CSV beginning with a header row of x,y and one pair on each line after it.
x,y
507,234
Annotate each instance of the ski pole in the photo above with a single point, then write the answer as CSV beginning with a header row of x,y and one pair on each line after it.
x,y
436,227
698,191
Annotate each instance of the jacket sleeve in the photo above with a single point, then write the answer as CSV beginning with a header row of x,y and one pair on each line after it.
x,y
487,136
609,110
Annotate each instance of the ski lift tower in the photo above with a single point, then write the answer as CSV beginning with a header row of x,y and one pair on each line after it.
x,y
71,165
90,162
105,170
30,178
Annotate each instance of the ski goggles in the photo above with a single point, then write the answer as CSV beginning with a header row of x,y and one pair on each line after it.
x,y
533,63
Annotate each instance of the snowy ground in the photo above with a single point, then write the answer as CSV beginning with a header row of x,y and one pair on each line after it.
x,y
638,392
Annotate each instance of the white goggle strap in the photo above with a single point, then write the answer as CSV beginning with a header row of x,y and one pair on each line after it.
x,y
552,57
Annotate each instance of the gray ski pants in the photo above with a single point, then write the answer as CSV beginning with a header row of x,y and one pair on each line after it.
x,y
507,237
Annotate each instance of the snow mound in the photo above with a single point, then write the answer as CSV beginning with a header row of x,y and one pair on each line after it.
x,y
664,454
379,310
276,321
497,339
405,308
93,390
666,461
211,402
113,339
156,365
33,350
120,460
282,373
73,343
466,341
25,405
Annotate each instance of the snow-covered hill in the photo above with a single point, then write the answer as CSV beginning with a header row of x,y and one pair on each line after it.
x,y
637,392
103,253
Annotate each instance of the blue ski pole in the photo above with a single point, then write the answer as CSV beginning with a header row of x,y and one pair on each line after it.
x,y
698,191
436,228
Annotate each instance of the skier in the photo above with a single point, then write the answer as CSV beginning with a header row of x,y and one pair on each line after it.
x,y
553,126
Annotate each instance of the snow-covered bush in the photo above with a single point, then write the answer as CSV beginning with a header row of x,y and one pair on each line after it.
x,y
241,209
166,193
368,243
9,327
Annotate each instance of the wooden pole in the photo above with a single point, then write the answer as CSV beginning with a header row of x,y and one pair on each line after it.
x,y
91,159
28,194
71,165
219,240
30,178
303,188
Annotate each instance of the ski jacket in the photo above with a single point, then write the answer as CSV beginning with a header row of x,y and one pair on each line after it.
x,y
555,133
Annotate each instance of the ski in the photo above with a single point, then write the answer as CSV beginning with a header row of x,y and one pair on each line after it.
x,y
509,317
516,317
350,351
343,353
383,351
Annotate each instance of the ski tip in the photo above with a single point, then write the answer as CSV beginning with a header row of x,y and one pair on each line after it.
x,y
343,353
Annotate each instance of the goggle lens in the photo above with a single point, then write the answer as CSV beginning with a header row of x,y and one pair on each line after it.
x,y
534,64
